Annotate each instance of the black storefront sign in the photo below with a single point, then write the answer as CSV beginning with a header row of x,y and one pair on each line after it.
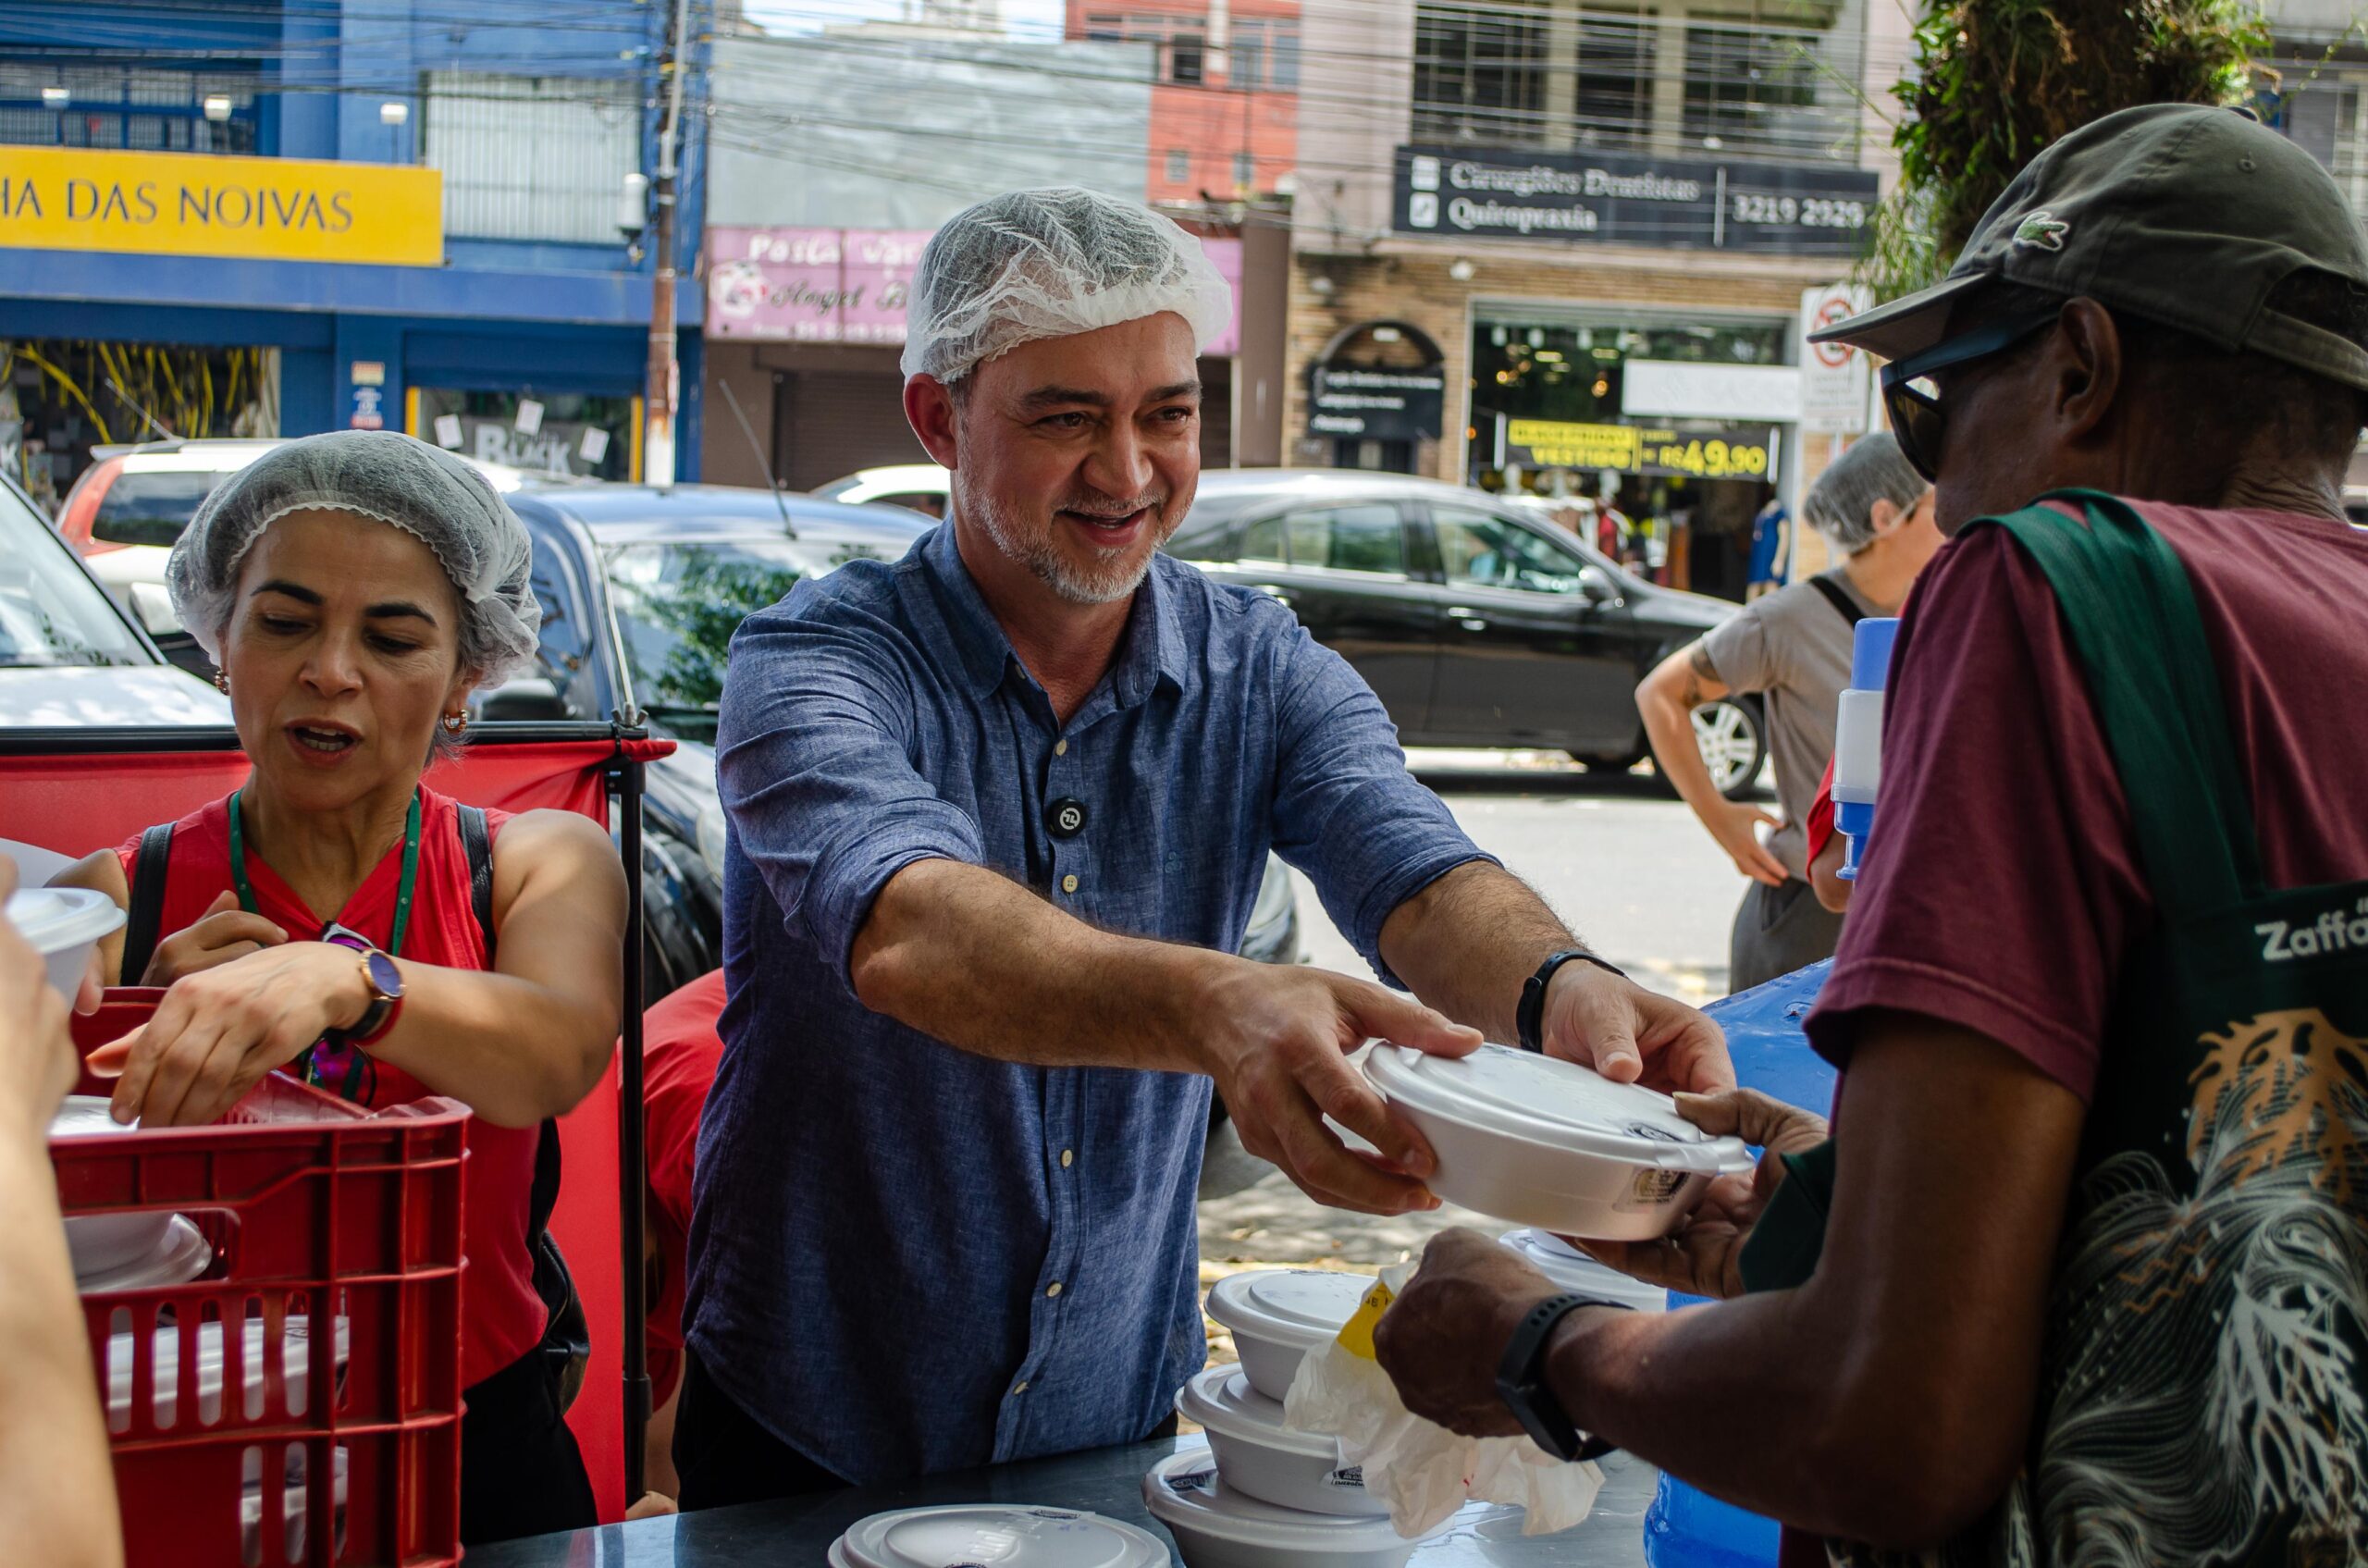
x,y
1381,405
1617,199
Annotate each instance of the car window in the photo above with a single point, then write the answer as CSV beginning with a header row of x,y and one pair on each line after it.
x,y
1480,550
564,640
1365,538
679,602
1262,540
151,507
51,615
929,502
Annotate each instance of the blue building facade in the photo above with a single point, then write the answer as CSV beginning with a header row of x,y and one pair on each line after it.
x,y
527,344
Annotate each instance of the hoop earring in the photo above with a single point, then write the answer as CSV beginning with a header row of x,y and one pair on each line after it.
x,y
455,723
221,683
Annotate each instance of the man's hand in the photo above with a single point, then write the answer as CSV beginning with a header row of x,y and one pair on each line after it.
x,y
1442,1338
1607,1022
223,934
1735,823
1705,1258
218,1031
37,1067
1276,1043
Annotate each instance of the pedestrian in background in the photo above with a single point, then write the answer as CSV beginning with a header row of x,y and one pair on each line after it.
x,y
1793,647
1769,563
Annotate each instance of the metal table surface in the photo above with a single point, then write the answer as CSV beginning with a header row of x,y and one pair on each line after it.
x,y
797,1534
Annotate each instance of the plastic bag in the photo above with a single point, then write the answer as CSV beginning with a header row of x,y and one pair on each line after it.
x,y
1423,1471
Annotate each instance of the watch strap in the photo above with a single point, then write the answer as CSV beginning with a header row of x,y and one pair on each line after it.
x,y
1521,1383
1529,1019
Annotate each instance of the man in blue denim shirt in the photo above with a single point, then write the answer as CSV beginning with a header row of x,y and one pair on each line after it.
x,y
998,815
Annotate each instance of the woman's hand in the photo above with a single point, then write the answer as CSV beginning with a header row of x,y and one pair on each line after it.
x,y
1704,1258
219,1029
225,932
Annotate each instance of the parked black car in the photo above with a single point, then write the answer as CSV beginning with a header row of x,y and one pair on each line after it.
x,y
1477,626
641,590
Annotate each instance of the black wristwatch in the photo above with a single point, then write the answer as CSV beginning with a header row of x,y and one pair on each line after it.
x,y
1529,1020
1521,1380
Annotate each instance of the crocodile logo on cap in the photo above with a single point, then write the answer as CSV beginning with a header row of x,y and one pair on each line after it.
x,y
2042,231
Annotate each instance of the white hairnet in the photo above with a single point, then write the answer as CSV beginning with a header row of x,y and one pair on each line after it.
x,y
1047,264
1840,505
395,479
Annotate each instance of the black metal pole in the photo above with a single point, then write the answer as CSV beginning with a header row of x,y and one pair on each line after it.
x,y
633,1184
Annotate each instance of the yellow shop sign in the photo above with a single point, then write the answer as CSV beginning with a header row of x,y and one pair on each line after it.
x,y
194,204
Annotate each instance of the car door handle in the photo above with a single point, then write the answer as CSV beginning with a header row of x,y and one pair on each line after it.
x,y
1462,616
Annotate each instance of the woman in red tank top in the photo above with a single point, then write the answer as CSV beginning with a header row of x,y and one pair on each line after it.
x,y
355,589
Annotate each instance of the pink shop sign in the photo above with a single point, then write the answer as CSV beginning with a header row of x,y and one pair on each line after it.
x,y
848,285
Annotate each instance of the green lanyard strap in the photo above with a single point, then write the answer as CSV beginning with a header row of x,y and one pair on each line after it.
x,y
402,892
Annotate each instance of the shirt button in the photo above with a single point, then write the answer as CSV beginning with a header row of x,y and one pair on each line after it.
x,y
1069,1158
1065,818
1018,1388
1068,885
1060,748
1053,1288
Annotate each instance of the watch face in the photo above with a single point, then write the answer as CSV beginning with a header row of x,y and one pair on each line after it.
x,y
383,976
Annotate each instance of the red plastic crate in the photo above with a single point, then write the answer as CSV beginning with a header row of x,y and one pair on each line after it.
x,y
316,1208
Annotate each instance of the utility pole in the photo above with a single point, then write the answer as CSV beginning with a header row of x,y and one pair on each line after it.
x,y
664,389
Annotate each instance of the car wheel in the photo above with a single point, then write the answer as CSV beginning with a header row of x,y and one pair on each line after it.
x,y
1734,744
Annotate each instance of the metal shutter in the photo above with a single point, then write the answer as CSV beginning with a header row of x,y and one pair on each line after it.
x,y
829,423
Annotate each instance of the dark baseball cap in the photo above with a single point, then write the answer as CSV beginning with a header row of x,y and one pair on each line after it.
x,y
2185,215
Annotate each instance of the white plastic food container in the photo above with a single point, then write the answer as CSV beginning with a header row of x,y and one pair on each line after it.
x,y
124,1252
1216,1526
165,1356
1276,1315
64,924
1261,1457
1573,1270
1006,1535
1539,1141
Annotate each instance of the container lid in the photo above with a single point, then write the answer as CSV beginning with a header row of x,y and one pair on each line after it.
x,y
1005,1535
1222,1400
1290,1306
1546,1100
180,1257
53,918
1184,1493
83,1116
1572,1270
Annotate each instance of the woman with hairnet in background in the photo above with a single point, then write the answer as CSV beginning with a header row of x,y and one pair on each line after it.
x,y
355,589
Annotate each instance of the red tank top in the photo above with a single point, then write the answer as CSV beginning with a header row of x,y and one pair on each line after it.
x,y
501,1317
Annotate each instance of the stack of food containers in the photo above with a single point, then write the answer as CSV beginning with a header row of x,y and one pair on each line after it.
x,y
1008,1534
1263,1496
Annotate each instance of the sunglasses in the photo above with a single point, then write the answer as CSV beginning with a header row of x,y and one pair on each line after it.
x,y
1912,403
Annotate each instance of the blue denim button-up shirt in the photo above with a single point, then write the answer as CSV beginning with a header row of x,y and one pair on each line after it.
x,y
905,1257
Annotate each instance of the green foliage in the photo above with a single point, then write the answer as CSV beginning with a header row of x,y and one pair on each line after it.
x,y
1996,80
703,608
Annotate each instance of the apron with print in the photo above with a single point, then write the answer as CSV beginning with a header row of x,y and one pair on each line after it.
x,y
2203,1394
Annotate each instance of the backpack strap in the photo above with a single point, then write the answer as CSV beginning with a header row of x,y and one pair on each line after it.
x,y
1846,607
2130,608
149,864
477,843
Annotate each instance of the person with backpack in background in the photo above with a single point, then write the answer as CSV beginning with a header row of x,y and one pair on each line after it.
x,y
1793,646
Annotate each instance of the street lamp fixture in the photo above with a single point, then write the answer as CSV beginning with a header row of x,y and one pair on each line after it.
x,y
56,97
1462,270
217,107
394,112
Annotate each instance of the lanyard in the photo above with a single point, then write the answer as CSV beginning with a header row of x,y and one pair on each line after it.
x,y
402,892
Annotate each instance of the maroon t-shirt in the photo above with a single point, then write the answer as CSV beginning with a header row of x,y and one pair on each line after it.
x,y
2001,886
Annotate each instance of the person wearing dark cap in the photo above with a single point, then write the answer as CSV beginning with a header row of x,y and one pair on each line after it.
x,y
2084,1277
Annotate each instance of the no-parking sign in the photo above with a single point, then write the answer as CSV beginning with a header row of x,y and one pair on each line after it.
x,y
1834,375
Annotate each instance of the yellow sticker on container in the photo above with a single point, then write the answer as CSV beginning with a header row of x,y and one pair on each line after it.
x,y
1356,1335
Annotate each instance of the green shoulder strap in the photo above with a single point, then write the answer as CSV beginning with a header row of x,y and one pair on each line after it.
x,y
2127,600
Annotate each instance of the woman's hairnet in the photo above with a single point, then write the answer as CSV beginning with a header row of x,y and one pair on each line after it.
x,y
1840,505
1046,263
395,479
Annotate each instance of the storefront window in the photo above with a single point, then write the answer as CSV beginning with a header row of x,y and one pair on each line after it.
x,y
561,434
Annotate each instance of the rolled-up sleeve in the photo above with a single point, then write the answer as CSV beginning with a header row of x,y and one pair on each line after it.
x,y
1347,812
817,785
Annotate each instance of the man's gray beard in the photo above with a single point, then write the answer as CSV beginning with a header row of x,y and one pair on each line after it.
x,y
1116,580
